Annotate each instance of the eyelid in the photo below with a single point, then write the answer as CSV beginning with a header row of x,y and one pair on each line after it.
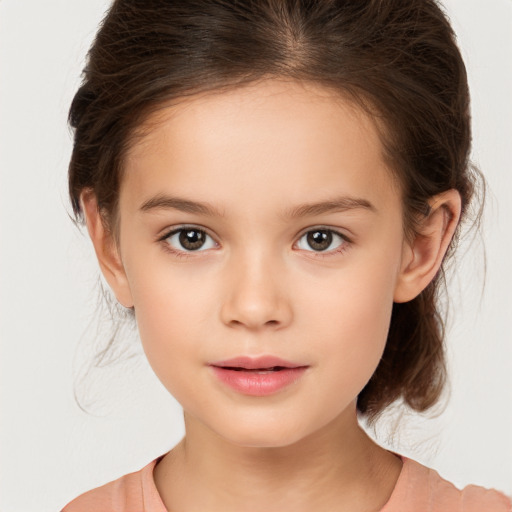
x,y
343,246
320,227
168,232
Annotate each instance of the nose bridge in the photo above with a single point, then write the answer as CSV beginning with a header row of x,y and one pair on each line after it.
x,y
256,294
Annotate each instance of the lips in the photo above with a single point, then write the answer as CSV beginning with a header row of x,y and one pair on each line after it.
x,y
259,376
256,363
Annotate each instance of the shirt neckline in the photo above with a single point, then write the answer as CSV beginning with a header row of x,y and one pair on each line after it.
x,y
152,501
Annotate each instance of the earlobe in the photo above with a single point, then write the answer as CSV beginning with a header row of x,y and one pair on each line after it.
x,y
106,249
422,258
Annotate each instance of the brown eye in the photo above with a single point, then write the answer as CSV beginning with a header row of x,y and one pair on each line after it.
x,y
320,240
190,239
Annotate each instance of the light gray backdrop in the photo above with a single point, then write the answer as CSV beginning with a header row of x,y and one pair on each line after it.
x,y
50,449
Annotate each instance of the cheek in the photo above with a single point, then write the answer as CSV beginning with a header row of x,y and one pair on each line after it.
x,y
351,314
357,338
167,295
171,307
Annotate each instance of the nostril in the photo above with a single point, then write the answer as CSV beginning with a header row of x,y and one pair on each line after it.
x,y
247,308
269,323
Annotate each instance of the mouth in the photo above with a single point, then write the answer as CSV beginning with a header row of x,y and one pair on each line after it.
x,y
255,370
258,376
261,364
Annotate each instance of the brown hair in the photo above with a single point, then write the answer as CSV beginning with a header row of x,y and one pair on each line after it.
x,y
395,58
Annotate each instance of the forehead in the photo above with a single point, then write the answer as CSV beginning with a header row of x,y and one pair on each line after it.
x,y
290,135
295,104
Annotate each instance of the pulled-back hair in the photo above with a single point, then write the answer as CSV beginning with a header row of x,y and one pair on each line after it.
x,y
397,59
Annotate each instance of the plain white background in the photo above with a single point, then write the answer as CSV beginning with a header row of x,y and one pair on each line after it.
x,y
51,450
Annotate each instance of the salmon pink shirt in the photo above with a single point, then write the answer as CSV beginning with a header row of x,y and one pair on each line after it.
x,y
418,489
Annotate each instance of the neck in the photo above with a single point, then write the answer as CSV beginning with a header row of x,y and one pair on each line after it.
x,y
337,468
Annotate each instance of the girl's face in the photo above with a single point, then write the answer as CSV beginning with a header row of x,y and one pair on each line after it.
x,y
261,222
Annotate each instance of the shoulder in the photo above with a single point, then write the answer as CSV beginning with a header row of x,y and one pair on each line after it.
x,y
121,495
131,493
475,498
422,488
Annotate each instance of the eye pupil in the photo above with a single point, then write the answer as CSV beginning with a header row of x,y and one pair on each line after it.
x,y
319,240
192,239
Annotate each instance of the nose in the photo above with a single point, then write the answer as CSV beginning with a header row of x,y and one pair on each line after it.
x,y
256,295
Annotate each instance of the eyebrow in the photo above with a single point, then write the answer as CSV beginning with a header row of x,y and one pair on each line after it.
x,y
339,204
162,202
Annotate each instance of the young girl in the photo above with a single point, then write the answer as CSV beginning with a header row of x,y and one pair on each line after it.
x,y
272,187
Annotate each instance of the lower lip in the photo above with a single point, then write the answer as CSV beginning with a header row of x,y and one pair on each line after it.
x,y
258,384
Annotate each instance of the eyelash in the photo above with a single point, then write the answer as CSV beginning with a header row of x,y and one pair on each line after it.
x,y
344,245
176,252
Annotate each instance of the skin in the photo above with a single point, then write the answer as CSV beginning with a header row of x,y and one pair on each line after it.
x,y
256,155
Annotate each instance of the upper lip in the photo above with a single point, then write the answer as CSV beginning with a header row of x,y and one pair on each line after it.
x,y
255,363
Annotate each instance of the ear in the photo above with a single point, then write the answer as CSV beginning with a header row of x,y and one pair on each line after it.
x,y
422,258
106,249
